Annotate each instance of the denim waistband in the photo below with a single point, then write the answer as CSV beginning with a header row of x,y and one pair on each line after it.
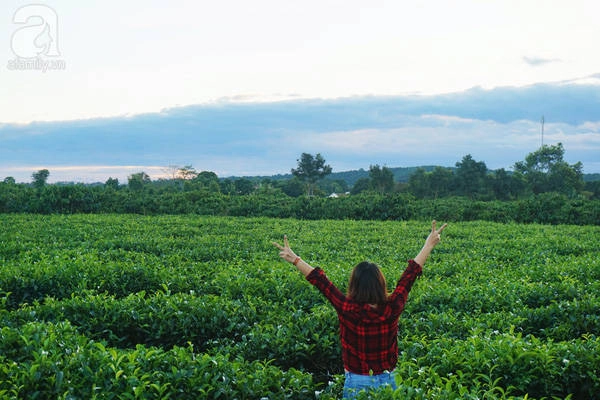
x,y
370,374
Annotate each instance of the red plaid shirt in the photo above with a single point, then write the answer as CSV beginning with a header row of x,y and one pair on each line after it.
x,y
369,335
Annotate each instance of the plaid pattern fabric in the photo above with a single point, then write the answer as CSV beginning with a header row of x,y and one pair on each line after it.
x,y
369,335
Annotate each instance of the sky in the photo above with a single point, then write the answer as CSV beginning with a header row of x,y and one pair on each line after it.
x,y
90,90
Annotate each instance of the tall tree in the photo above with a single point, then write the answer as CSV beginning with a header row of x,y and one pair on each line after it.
x,y
504,186
310,170
243,186
382,178
441,181
112,183
207,180
171,171
471,176
137,181
361,185
40,177
293,187
545,170
419,183
186,173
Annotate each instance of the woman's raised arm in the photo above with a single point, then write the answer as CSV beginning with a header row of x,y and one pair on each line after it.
x,y
288,255
432,240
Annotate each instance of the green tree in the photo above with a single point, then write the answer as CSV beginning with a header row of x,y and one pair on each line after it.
x,y
186,173
503,185
39,178
207,176
112,183
227,186
382,178
545,170
329,186
361,185
244,186
438,183
419,183
593,189
138,181
471,177
207,180
310,170
441,182
293,187
567,179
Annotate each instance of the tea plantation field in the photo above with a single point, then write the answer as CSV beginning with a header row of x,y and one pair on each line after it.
x,y
193,307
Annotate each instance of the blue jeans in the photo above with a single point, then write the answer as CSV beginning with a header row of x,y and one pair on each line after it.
x,y
354,383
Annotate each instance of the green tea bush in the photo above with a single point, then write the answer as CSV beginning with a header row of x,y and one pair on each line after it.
x,y
53,361
131,306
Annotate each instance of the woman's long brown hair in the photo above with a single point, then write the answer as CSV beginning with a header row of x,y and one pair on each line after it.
x,y
367,284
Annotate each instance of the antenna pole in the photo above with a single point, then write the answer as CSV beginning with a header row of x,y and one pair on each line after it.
x,y
542,121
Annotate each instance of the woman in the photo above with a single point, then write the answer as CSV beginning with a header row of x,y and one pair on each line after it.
x,y
368,315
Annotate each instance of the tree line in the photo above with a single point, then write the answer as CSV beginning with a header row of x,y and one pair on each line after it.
x,y
541,188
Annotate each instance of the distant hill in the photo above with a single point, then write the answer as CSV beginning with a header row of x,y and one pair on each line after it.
x,y
591,177
401,174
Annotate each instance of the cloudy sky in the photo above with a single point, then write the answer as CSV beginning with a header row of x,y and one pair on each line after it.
x,y
97,89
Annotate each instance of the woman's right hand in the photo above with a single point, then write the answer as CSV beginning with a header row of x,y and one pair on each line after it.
x,y
432,240
435,236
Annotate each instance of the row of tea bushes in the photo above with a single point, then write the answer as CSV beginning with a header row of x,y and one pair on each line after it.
x,y
54,361
501,311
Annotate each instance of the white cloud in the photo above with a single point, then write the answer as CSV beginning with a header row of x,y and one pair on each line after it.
x,y
540,61
446,139
139,56
499,127
589,126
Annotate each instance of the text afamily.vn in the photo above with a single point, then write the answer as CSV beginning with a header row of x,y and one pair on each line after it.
x,y
37,64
